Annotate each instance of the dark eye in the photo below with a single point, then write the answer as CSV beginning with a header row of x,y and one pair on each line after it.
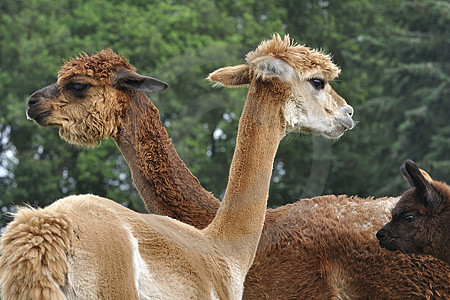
x,y
409,218
317,83
77,87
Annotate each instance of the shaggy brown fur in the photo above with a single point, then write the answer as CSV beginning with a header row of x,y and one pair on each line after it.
x,y
421,219
284,267
325,248
161,177
164,182
99,67
304,60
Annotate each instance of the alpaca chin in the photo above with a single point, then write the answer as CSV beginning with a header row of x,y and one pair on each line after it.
x,y
78,139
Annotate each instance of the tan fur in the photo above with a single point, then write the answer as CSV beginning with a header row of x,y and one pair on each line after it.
x,y
209,263
36,242
304,60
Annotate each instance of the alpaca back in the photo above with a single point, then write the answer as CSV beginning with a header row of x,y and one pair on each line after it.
x,y
34,255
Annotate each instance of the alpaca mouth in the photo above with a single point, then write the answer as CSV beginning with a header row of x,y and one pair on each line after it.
x,y
38,117
347,123
389,244
337,132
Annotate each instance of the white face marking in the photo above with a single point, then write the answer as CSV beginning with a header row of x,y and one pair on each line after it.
x,y
315,111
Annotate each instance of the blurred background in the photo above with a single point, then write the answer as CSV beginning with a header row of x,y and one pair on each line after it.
x,y
395,62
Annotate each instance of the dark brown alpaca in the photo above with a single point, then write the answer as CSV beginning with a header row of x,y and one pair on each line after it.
x,y
421,218
313,249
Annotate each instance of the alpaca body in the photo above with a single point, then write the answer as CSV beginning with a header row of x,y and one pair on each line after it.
x,y
112,252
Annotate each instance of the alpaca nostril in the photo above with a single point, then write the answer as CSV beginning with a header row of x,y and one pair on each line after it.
x,y
349,110
33,100
381,234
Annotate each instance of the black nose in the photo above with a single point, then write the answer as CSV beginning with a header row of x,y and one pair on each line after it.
x,y
381,234
33,100
47,92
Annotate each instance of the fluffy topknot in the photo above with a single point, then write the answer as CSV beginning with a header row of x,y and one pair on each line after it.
x,y
301,58
98,66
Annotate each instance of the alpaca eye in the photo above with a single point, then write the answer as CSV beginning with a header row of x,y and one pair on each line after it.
x,y
78,87
317,83
410,218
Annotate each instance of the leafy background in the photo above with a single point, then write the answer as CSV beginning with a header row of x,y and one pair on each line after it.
x,y
394,57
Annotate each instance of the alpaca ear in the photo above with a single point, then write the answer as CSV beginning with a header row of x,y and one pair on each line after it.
x,y
129,79
426,175
424,190
268,67
237,76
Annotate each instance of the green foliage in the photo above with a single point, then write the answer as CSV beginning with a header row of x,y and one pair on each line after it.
x,y
394,57
408,116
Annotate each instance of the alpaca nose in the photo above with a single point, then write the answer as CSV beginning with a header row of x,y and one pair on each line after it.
x,y
348,110
44,93
381,234
33,99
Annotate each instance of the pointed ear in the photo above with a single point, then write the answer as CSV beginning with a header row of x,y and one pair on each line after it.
x,y
424,190
237,76
268,67
123,78
406,174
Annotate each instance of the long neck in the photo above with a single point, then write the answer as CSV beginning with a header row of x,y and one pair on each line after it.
x,y
164,182
240,218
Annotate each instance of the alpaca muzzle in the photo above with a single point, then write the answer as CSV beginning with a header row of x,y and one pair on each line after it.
x,y
36,103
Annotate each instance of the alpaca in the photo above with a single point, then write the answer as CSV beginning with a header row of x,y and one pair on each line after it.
x,y
421,218
78,246
279,270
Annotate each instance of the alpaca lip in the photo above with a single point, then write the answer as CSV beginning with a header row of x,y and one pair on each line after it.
x,y
38,117
333,134
348,123
388,243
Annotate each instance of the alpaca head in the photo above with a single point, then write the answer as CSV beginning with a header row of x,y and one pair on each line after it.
x,y
310,103
421,217
90,97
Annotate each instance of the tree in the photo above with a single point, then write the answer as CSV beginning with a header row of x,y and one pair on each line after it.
x,y
383,47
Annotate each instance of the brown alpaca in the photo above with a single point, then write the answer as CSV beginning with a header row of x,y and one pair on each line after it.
x,y
161,177
421,218
87,247
287,265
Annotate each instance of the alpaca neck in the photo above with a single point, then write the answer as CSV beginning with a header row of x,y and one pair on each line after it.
x,y
164,182
440,236
240,218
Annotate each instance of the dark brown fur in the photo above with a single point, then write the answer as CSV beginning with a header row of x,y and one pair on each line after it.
x,y
163,180
421,219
